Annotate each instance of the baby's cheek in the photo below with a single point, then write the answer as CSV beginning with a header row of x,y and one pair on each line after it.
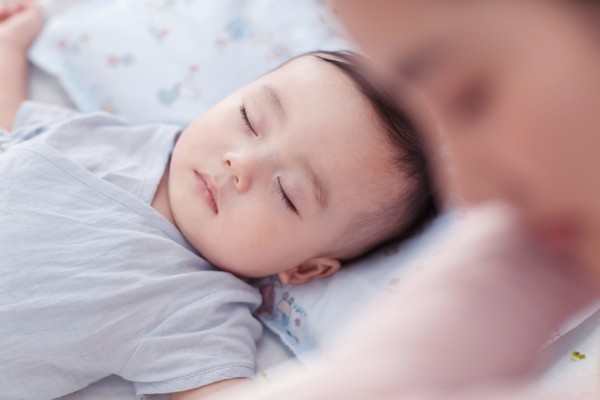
x,y
244,244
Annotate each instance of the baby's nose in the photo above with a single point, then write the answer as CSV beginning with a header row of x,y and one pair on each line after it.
x,y
242,168
243,183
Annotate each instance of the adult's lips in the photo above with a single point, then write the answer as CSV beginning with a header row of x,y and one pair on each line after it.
x,y
560,234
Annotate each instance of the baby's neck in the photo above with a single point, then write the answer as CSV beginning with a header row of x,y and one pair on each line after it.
x,y
161,201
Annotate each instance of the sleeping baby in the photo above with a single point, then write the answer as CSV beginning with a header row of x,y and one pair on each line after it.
x,y
125,249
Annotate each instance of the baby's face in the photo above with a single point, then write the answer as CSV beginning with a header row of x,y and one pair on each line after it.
x,y
271,176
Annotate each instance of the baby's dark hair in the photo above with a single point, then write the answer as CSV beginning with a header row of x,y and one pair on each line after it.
x,y
417,205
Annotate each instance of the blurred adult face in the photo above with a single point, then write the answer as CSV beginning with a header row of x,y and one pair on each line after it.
x,y
508,96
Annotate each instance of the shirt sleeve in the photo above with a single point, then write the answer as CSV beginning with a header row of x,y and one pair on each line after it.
x,y
33,119
203,343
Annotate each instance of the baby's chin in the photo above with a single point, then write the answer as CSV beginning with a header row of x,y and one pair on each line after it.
x,y
234,267
240,270
217,254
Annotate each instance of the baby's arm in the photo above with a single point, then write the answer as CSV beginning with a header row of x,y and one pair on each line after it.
x,y
20,23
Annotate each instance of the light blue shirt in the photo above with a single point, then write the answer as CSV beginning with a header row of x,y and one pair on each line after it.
x,y
93,281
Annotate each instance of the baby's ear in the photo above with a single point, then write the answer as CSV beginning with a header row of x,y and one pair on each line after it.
x,y
317,268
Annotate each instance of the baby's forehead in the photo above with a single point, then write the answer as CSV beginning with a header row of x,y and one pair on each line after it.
x,y
326,87
321,66
335,123
343,80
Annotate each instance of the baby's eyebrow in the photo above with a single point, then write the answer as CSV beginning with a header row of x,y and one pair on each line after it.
x,y
318,188
274,100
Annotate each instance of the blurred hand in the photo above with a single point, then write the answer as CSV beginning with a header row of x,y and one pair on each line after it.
x,y
475,315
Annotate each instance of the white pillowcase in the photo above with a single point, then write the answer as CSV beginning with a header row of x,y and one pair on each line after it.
x,y
171,60
308,317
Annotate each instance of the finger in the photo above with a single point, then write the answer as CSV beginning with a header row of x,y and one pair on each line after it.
x,y
20,6
25,5
13,8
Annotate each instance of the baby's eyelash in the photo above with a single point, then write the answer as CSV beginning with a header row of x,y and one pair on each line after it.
x,y
286,199
246,119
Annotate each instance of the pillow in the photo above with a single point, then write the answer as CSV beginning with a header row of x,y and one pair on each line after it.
x,y
169,61
308,317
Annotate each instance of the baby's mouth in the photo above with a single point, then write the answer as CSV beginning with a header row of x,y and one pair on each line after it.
x,y
206,191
